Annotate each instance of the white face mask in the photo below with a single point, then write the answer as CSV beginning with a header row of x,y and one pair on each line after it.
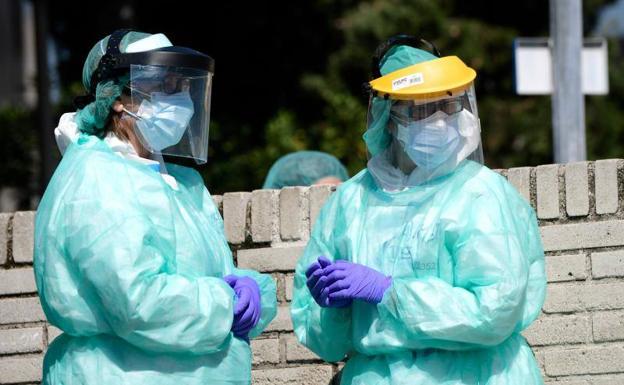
x,y
163,120
432,141
410,146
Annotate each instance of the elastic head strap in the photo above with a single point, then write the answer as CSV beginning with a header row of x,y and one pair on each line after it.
x,y
107,63
394,41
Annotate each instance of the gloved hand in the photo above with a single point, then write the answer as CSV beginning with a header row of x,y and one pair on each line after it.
x,y
247,308
346,281
316,281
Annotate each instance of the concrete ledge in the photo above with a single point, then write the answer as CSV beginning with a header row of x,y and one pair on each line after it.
x,y
547,180
577,189
607,200
20,310
520,178
282,321
17,281
304,375
608,326
21,369
559,330
318,196
607,264
264,215
585,360
23,236
27,340
4,237
566,268
270,259
294,214
265,351
566,298
583,235
297,352
235,206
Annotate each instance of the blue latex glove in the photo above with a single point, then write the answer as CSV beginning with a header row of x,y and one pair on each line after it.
x,y
347,281
316,280
247,308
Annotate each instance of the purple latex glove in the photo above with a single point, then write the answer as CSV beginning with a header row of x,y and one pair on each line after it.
x,y
347,281
316,280
247,308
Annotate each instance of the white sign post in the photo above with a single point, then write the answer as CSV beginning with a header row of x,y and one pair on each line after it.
x,y
533,66
566,68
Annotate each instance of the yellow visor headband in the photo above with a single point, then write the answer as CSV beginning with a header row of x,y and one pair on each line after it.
x,y
434,78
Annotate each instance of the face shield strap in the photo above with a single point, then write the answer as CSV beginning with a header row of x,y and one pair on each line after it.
x,y
104,69
175,56
107,66
115,63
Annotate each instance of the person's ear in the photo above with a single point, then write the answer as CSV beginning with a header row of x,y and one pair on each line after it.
x,y
117,106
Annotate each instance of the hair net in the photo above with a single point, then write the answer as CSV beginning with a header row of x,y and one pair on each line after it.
x,y
376,136
303,168
93,117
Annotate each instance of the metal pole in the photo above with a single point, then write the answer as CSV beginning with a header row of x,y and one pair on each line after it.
x,y
46,138
568,103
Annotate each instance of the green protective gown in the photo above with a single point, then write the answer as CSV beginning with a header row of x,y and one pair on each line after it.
x,y
131,270
467,265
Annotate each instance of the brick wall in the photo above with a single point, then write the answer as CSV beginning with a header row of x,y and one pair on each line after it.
x,y
578,339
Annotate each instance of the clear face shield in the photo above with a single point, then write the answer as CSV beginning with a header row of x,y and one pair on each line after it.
x,y
431,135
171,107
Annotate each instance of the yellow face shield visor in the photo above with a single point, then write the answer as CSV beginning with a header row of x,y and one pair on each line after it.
x,y
438,78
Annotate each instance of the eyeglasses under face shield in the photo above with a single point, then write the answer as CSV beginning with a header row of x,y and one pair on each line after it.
x,y
166,80
405,111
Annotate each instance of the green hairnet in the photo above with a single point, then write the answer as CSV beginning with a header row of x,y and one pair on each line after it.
x,y
377,138
93,117
303,168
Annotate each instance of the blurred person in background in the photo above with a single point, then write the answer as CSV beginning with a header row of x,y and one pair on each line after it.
x,y
305,168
